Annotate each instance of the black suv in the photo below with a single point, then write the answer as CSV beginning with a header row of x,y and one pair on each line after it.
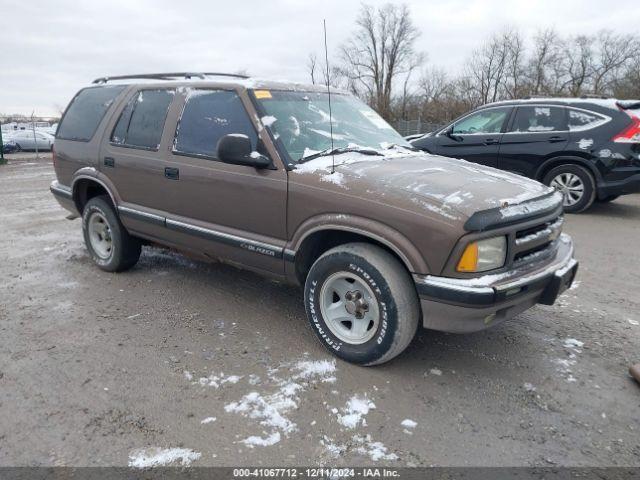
x,y
588,148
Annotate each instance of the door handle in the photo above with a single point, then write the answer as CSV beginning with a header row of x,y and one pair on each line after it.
x,y
557,138
109,162
491,141
172,173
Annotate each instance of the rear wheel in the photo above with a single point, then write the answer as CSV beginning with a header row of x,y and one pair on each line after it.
x,y
108,242
361,303
575,183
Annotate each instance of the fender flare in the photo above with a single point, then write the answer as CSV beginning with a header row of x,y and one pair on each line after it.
x,y
377,231
90,173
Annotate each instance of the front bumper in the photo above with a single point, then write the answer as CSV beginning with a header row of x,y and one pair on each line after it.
x,y
630,184
469,305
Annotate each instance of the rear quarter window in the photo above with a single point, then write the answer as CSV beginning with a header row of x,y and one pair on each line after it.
x,y
585,120
85,112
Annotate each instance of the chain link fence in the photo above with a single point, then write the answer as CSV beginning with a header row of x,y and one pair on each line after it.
x,y
413,127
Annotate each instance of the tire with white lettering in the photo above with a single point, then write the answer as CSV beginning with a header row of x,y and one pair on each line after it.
x,y
361,303
108,242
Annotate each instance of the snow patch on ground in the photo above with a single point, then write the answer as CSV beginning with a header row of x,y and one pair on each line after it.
x,y
333,449
217,381
633,322
408,423
208,420
271,409
255,441
360,444
573,344
158,457
374,450
355,410
435,371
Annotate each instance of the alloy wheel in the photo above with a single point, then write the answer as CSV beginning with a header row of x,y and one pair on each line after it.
x,y
571,187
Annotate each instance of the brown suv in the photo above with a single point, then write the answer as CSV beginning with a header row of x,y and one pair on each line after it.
x,y
317,190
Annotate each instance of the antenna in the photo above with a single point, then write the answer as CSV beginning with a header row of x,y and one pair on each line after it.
x,y
326,61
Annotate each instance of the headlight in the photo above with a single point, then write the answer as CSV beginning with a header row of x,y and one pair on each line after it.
x,y
483,255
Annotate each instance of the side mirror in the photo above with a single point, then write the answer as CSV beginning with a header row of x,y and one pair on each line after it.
x,y
449,133
235,148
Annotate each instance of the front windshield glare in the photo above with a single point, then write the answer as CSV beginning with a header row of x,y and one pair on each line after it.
x,y
300,121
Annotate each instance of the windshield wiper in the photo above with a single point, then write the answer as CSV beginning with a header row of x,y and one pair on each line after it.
x,y
338,151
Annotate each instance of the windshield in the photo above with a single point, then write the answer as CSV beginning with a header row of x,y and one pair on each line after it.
x,y
300,121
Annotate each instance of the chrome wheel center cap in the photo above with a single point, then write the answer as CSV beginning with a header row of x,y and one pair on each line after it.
x,y
355,304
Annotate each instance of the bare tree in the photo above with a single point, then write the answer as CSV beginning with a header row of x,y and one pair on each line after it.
x,y
491,64
379,52
379,63
578,65
312,63
613,53
545,64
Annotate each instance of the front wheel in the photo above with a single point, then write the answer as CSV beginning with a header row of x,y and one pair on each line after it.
x,y
575,183
108,242
361,303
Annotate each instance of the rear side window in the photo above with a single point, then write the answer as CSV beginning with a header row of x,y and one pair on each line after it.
x,y
584,120
208,115
539,119
142,120
85,112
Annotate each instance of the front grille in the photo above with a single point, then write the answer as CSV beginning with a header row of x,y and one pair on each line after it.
x,y
536,242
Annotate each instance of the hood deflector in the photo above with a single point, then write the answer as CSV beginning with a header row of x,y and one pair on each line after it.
x,y
511,214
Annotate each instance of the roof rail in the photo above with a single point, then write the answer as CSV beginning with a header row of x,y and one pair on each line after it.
x,y
169,76
534,97
595,96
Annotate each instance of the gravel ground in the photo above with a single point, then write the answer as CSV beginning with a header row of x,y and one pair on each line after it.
x,y
218,367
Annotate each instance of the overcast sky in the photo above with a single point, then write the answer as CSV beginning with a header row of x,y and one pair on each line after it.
x,y
50,49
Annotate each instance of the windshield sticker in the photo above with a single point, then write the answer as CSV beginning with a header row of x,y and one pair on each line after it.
x,y
375,119
260,94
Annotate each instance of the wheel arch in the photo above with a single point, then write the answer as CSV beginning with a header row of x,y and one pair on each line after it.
x,y
318,235
567,160
86,185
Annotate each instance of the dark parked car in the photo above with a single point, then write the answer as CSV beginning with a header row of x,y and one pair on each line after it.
x,y
9,146
242,170
587,148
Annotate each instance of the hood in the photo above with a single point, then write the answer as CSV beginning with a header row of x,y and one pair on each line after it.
x,y
451,187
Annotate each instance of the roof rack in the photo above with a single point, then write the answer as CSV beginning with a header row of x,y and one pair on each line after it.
x,y
595,96
169,76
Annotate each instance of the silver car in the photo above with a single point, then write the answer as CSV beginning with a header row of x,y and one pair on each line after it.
x,y
28,140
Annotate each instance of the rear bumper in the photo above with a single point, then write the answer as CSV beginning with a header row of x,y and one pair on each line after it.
x,y
64,196
469,305
630,184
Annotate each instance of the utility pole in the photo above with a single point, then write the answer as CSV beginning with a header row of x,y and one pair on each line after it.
x,y
33,129
2,160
